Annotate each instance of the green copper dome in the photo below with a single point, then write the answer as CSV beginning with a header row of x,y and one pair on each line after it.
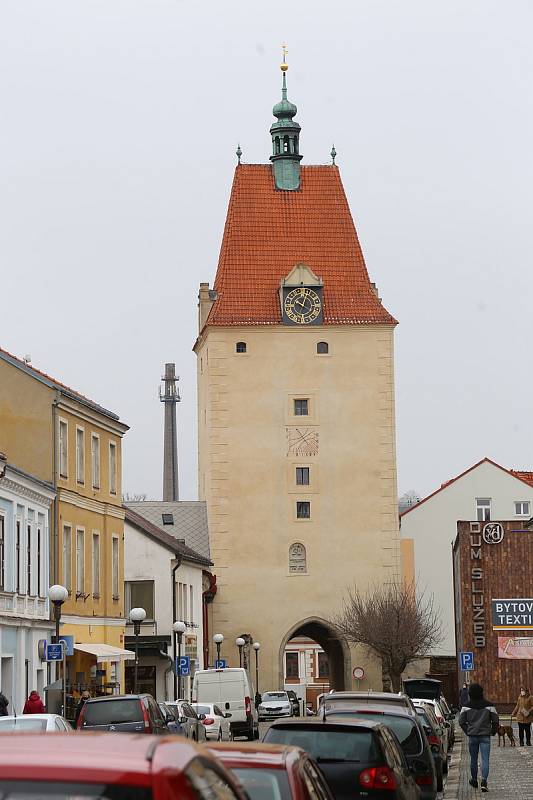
x,y
285,134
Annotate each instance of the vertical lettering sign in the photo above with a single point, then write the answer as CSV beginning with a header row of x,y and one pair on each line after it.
x,y
493,533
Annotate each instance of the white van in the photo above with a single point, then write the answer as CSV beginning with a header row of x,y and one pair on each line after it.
x,y
233,692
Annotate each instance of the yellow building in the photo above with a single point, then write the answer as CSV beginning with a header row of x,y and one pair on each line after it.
x,y
62,437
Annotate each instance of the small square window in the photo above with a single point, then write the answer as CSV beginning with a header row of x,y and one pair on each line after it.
x,y
168,519
521,508
302,476
303,509
240,347
301,408
322,348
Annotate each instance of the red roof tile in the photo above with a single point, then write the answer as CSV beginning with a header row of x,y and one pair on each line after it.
x,y
268,231
527,477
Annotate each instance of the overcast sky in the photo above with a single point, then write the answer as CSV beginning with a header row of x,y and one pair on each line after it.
x,y
120,120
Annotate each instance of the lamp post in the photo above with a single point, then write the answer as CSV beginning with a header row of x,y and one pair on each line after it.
x,y
239,641
137,615
57,595
257,648
179,629
218,638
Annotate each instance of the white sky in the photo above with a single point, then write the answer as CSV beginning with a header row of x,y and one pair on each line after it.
x,y
120,120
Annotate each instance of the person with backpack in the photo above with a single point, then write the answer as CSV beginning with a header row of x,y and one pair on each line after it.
x,y
4,702
479,720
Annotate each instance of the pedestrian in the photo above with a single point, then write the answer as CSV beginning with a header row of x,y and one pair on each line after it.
x,y
523,711
83,699
463,696
479,720
4,702
34,704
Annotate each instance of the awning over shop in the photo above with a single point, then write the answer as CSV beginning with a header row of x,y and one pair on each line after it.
x,y
105,652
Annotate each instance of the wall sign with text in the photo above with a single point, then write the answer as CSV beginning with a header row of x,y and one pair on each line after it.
x,y
512,613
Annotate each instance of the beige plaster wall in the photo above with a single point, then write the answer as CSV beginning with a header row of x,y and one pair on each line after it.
x,y
247,476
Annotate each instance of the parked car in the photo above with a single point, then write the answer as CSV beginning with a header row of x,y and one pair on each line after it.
x,y
435,737
274,772
274,704
128,713
171,717
190,721
216,722
110,767
232,691
410,733
295,702
387,699
431,689
32,723
440,716
359,758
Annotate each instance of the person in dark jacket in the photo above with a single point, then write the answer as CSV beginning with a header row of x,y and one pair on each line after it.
x,y
83,699
479,720
463,696
4,702
34,704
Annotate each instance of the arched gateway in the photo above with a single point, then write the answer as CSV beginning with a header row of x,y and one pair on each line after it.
x,y
335,647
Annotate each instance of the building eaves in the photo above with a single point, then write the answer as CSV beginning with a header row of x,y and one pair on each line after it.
x,y
165,539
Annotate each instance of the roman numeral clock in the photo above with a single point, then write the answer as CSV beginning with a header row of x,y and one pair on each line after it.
x,y
302,305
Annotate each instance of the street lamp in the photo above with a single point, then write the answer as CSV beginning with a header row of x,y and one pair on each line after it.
x,y
179,629
218,638
137,615
257,648
57,595
239,641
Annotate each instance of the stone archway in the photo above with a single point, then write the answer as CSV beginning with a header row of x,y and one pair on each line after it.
x,y
335,647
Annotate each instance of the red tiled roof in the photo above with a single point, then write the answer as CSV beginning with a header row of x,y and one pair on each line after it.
x,y
527,477
268,231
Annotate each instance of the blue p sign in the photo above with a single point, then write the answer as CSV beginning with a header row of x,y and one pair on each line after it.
x,y
467,661
184,666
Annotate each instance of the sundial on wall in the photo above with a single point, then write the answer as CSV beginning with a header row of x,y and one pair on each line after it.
x,y
302,441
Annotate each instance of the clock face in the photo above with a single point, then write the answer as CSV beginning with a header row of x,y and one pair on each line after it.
x,y
302,305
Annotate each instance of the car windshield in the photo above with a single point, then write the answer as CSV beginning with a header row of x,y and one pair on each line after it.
x,y
264,784
22,724
44,790
404,728
202,709
326,744
274,696
107,712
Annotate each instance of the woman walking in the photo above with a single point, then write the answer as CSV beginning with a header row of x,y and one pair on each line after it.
x,y
523,711
34,704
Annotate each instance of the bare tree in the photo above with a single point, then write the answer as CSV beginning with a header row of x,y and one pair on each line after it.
x,y
394,621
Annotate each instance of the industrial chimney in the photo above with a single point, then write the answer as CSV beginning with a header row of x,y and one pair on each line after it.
x,y
170,396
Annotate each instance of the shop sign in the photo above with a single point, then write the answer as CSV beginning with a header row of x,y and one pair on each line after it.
x,y
519,647
493,533
191,647
476,586
512,613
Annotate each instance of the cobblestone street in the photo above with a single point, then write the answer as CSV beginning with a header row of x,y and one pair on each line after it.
x,y
510,778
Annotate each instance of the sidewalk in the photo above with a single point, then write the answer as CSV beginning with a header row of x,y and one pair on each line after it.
x,y
510,778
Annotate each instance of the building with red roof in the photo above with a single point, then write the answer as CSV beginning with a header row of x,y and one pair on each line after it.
x,y
295,412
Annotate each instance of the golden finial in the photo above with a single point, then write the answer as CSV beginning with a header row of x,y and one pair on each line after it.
x,y
284,66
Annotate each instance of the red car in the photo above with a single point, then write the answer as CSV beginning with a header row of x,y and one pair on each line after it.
x,y
274,771
117,766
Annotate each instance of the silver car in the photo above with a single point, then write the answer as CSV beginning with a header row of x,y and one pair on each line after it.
x,y
274,705
191,722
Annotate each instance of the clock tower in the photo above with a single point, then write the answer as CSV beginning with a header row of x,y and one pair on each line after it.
x,y
296,436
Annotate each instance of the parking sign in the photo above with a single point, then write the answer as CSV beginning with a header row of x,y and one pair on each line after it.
x,y
467,661
221,664
183,666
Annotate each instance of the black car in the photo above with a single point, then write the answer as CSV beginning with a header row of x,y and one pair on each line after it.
x,y
128,713
295,703
171,717
409,731
434,736
359,758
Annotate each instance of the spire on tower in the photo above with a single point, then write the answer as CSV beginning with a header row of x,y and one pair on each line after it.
x,y
285,138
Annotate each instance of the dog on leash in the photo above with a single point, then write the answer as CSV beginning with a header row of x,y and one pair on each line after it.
x,y
503,731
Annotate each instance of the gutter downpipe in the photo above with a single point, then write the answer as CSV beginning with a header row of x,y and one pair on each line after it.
x,y
54,550
173,571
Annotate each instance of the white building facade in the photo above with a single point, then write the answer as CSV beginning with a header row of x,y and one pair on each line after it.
x,y
24,582
485,491
149,575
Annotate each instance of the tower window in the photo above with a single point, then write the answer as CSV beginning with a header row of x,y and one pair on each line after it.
x,y
303,509
301,407
286,144
277,145
302,476
322,348
295,144
240,347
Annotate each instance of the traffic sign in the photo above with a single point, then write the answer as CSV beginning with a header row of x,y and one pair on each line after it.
x,y
54,652
183,666
358,673
221,664
467,660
